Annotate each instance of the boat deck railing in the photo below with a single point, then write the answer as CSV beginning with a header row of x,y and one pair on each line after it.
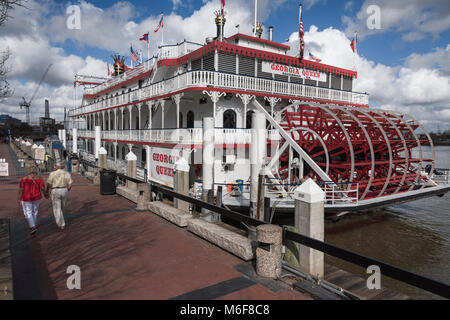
x,y
441,176
178,136
213,79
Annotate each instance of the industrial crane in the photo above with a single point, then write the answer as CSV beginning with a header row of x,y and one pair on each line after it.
x,y
25,104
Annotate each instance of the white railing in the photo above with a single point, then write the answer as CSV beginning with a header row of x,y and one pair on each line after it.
x,y
176,51
226,81
129,74
338,193
182,136
441,176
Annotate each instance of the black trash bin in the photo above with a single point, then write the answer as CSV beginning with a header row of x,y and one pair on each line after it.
x,y
107,182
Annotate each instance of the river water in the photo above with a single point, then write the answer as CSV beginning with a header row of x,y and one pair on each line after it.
x,y
414,236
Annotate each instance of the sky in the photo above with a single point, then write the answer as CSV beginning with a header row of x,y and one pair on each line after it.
x,y
403,50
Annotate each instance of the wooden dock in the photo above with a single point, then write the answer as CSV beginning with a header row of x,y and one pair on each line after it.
x,y
357,286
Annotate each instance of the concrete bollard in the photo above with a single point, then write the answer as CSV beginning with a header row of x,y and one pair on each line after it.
x,y
75,166
181,183
96,180
102,158
143,196
131,169
268,262
309,220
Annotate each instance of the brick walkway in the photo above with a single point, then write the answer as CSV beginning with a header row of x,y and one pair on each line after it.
x,y
122,253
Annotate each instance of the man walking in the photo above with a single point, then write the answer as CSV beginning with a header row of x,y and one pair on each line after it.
x,y
59,183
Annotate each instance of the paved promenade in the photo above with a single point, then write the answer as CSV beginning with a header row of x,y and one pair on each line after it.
x,y
122,253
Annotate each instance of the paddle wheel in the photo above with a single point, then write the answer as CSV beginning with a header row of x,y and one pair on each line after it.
x,y
371,153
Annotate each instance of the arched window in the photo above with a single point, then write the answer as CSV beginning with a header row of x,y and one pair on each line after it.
x,y
180,120
248,120
123,153
229,119
190,120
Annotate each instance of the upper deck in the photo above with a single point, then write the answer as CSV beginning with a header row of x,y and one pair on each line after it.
x,y
240,64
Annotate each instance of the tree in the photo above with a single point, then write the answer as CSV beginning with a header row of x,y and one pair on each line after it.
x,y
5,90
5,7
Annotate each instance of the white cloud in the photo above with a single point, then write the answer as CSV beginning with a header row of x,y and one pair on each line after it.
x,y
414,19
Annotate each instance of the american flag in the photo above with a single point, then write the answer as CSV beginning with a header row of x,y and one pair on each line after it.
x,y
313,57
134,56
301,34
160,24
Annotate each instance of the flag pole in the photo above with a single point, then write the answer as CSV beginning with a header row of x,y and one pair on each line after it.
x,y
131,60
256,17
162,31
148,50
355,51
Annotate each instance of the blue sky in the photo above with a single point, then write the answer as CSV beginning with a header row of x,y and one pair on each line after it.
x,y
383,46
405,65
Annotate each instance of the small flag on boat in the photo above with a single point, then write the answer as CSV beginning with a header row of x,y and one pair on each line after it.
x,y
145,37
161,23
134,56
313,57
353,43
301,34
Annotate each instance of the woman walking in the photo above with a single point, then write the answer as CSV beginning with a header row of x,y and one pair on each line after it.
x,y
31,189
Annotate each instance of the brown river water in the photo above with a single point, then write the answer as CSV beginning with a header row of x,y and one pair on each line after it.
x,y
414,236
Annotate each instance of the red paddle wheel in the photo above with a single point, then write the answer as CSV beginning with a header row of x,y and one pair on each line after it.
x,y
373,152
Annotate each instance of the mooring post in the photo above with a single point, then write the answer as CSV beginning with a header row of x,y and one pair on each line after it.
x,y
267,210
208,168
219,196
143,196
102,158
260,203
309,221
268,254
181,183
131,169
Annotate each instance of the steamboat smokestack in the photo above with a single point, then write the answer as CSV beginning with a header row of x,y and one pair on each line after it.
x,y
47,109
220,23
270,33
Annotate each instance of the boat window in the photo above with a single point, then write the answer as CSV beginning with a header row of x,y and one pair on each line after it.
x,y
190,120
248,121
180,120
229,119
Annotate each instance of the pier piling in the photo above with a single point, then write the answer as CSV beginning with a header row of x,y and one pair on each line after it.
x,y
309,221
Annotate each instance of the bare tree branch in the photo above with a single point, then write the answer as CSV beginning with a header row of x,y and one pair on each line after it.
x,y
6,6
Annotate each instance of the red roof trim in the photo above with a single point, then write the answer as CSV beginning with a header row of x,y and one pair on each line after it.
x,y
255,39
259,54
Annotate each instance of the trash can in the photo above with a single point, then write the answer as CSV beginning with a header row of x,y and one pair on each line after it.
x,y
107,182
